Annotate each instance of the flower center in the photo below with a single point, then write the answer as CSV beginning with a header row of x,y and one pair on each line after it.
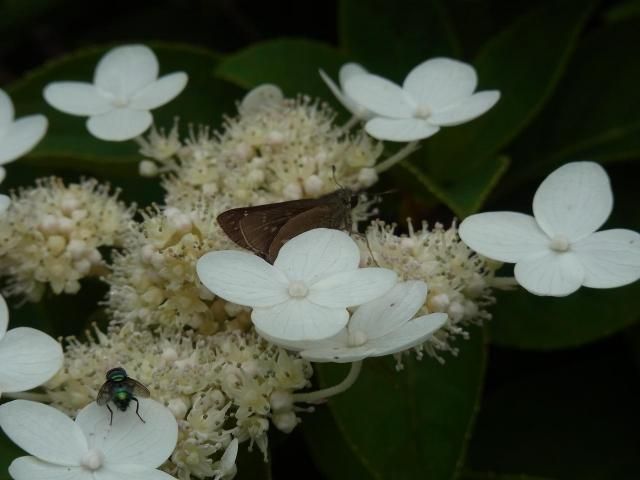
x,y
357,338
559,243
298,289
120,102
92,460
422,111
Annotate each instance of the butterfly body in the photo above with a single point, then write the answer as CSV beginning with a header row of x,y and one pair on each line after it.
x,y
264,229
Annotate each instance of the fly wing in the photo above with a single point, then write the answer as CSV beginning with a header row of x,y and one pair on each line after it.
x,y
138,389
104,395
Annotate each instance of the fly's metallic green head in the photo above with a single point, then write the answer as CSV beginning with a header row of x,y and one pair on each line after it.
x,y
116,374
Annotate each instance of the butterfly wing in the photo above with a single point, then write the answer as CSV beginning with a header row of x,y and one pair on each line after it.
x,y
324,215
253,228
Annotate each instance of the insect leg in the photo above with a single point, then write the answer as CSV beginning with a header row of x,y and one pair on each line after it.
x,y
111,417
137,407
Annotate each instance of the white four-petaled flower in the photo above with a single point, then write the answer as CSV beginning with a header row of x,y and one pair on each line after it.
x,y
436,93
347,71
17,137
89,448
125,87
304,295
381,327
28,357
556,251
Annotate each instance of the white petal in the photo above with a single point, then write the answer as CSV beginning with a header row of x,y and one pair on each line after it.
x,y
574,200
5,201
504,236
28,358
21,136
552,274
124,70
441,82
242,278
390,311
350,70
338,340
6,111
77,98
4,318
43,431
408,335
117,471
128,440
228,459
347,102
159,92
260,97
30,468
338,354
348,289
296,320
400,130
316,254
379,95
610,258
119,124
466,109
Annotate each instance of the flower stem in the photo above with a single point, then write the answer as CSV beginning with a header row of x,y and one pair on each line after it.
x,y
504,283
319,396
401,154
352,121
36,397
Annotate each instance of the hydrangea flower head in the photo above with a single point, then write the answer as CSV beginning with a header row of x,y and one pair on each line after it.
x,y
89,448
51,235
28,357
125,88
437,93
17,137
557,250
304,295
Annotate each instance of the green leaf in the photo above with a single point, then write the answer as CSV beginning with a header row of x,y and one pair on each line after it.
x,y
526,75
8,453
573,422
251,464
69,145
414,423
495,476
623,11
594,113
526,321
292,64
390,38
467,195
333,456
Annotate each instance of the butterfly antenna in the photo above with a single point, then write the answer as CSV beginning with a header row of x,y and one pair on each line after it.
x,y
335,180
373,257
